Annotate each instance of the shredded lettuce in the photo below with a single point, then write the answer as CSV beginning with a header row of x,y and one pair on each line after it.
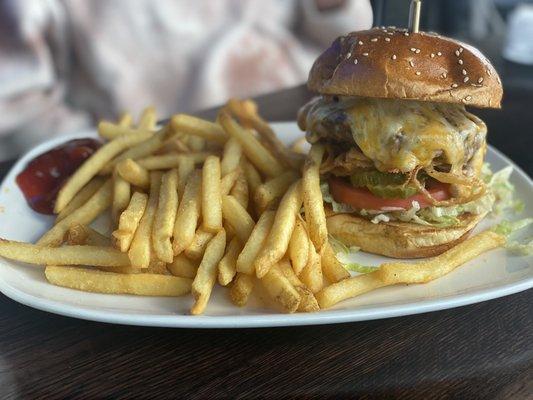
x,y
341,248
503,190
362,269
507,228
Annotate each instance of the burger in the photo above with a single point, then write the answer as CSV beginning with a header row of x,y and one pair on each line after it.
x,y
402,171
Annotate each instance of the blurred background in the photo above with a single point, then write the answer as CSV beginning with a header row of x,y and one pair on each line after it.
x,y
64,64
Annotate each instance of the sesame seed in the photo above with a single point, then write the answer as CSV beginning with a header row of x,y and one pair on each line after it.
x,y
387,39
355,61
457,53
413,49
460,62
468,98
455,85
348,55
365,54
489,72
464,72
466,79
444,75
432,55
460,49
418,72
480,80
439,54
406,33
394,56
417,51
392,27
390,33
411,63
374,39
360,43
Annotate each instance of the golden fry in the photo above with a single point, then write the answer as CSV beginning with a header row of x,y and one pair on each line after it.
x,y
313,202
308,302
270,192
252,176
183,266
165,216
237,216
170,160
121,196
231,156
255,242
125,120
227,183
190,125
81,234
81,197
331,267
148,118
240,191
311,275
129,221
188,214
281,290
299,247
196,249
226,267
185,169
211,195
133,173
241,289
111,131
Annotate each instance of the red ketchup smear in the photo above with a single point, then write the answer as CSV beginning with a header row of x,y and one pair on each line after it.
x,y
42,178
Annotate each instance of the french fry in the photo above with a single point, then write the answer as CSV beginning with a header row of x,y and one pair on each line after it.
x,y
211,195
81,197
87,213
196,143
207,270
299,247
121,196
66,255
188,214
125,120
280,290
228,181
156,267
255,242
311,275
347,288
198,127
434,268
196,249
252,176
174,144
111,131
308,302
298,146
140,252
81,234
237,216
129,221
133,173
231,156
182,266
241,289
226,267
148,118
171,160
90,280
256,153
331,267
278,239
240,191
165,216
272,190
93,164
185,169
313,202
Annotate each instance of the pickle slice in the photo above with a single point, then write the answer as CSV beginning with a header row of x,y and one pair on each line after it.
x,y
375,178
393,191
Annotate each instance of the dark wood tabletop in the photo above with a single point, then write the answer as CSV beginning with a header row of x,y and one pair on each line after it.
x,y
481,351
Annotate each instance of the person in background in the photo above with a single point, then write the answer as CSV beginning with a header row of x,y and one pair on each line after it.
x,y
66,63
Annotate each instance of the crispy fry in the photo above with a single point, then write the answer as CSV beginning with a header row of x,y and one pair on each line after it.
x,y
111,131
185,169
231,157
140,252
240,191
278,239
90,280
125,120
298,146
148,118
171,160
241,289
226,267
165,216
270,192
121,196
182,266
237,216
84,215
129,221
227,183
197,143
188,214
280,290
252,148
196,249
347,288
255,242
207,270
308,302
211,195
331,267
81,234
174,144
133,173
81,197
93,164
311,275
299,247
198,127
434,268
313,202
66,255
252,176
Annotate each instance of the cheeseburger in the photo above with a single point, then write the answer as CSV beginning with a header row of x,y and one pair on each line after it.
x,y
402,172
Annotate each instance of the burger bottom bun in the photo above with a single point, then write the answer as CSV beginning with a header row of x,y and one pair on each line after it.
x,y
399,239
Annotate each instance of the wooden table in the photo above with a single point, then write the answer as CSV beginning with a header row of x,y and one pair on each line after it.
x,y
482,351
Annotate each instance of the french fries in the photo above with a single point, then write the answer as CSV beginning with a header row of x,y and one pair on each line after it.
x,y
196,249
205,277
241,289
332,268
125,120
198,127
231,157
311,275
256,240
227,266
188,214
308,302
278,239
240,191
185,169
211,195
281,290
148,118
121,196
133,173
237,217
90,280
313,202
274,189
165,216
81,197
129,221
94,164
111,131
252,176
81,234
299,247
182,266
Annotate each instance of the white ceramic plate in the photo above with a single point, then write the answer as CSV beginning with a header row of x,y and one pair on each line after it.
x,y
492,275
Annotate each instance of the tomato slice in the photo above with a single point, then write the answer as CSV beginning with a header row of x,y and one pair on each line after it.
x,y
357,197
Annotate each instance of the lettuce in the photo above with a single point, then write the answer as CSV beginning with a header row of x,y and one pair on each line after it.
x,y
341,248
362,269
507,228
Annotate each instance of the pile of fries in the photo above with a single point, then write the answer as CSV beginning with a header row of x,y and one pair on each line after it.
x,y
195,202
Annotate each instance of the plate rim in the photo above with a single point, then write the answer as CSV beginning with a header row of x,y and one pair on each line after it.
x,y
260,320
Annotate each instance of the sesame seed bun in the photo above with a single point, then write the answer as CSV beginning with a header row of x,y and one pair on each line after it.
x,y
396,64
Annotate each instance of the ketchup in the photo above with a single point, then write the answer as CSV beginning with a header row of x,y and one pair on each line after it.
x,y
42,178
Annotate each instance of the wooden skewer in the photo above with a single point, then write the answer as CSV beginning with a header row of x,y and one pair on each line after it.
x,y
414,15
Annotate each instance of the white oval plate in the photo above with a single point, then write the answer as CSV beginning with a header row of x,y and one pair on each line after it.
x,y
492,275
